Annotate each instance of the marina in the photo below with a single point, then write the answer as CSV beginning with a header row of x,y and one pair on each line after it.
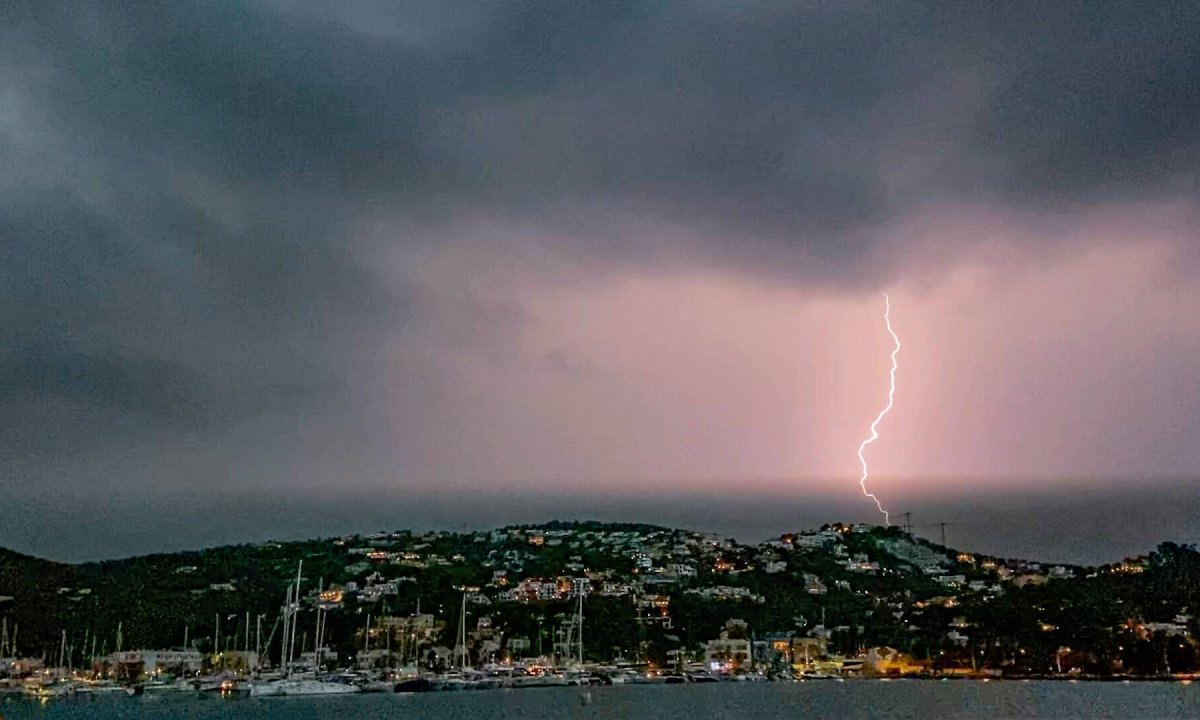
x,y
849,699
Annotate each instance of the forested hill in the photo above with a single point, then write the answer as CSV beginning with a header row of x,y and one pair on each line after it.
x,y
650,590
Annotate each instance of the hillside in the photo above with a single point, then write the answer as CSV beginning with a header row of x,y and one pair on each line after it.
x,y
651,590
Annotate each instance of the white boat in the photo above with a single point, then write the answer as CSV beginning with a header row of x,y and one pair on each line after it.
x,y
98,687
452,681
38,688
379,686
545,680
159,685
816,675
292,686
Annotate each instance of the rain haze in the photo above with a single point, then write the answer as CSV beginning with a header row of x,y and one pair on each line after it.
x,y
287,268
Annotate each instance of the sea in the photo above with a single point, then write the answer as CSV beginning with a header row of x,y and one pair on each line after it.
x,y
921,699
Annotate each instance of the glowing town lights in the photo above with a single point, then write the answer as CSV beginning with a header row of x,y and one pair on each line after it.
x,y
862,483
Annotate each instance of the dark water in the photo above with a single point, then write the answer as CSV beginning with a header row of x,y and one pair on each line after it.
x,y
757,701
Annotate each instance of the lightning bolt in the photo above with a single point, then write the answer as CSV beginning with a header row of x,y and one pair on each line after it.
x,y
862,482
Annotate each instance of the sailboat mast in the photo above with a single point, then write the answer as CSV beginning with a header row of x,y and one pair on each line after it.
x,y
462,625
290,638
320,625
579,619
403,642
283,639
320,630
296,598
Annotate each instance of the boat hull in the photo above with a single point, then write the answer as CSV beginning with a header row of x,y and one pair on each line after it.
x,y
301,687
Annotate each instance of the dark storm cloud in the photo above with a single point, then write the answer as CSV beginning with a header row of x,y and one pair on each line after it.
x,y
1100,96
774,119
786,120
780,113
165,317
180,183
824,118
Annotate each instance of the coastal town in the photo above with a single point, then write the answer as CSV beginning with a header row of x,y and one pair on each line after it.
x,y
585,603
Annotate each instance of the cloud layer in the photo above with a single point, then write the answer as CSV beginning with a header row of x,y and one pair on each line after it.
x,y
279,247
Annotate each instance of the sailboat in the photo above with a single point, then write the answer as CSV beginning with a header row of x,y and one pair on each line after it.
x,y
298,683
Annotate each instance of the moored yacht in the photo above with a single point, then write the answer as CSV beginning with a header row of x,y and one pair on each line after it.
x,y
301,686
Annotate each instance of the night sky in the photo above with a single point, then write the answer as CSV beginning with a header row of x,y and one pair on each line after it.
x,y
296,267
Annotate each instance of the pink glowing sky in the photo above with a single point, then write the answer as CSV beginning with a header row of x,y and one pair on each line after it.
x,y
1033,353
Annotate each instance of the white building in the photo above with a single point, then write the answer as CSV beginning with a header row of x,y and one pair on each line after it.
x,y
155,661
727,654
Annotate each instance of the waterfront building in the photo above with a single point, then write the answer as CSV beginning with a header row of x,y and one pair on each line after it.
x,y
132,663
